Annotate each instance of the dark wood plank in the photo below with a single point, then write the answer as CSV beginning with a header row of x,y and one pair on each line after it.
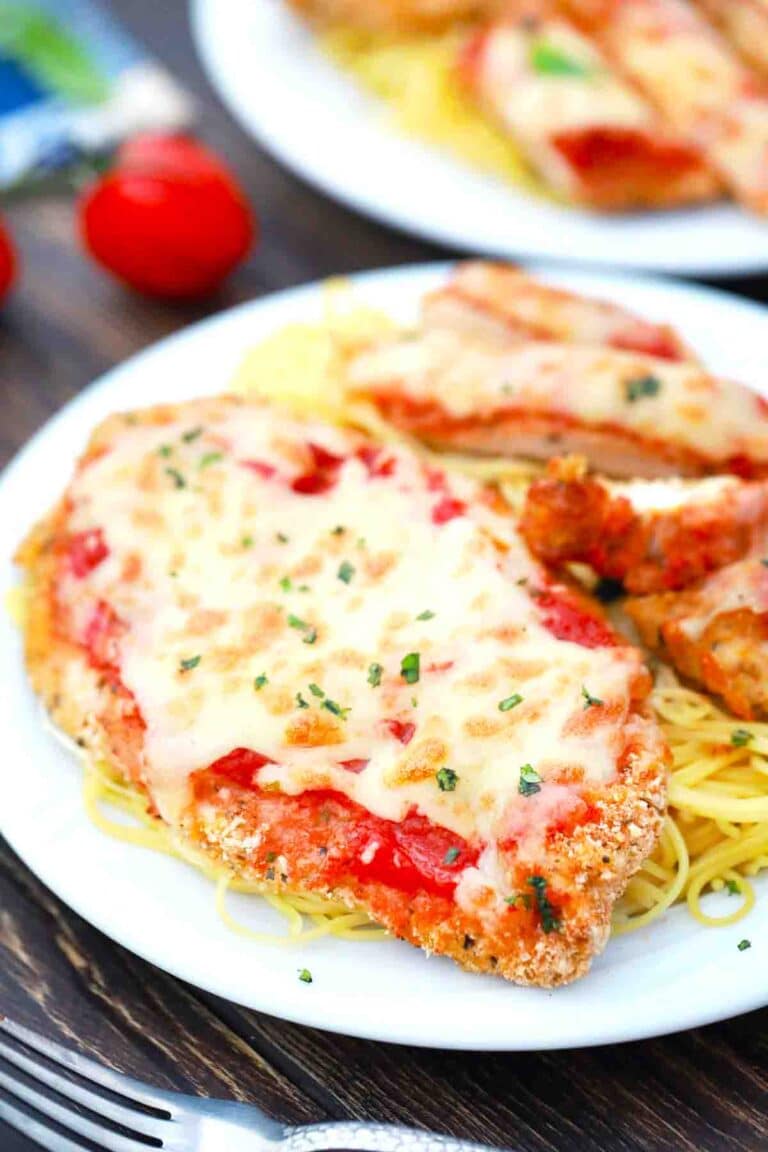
x,y
703,1091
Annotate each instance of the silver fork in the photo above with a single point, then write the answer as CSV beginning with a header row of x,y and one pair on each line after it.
x,y
119,1114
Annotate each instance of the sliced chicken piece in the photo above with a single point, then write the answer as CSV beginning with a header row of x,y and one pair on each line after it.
x,y
745,24
589,135
629,415
716,633
650,535
499,301
696,80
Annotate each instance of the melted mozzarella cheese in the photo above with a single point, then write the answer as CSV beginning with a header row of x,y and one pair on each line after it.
x,y
223,573
477,380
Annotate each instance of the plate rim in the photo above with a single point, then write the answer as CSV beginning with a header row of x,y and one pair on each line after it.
x,y
226,87
316,1011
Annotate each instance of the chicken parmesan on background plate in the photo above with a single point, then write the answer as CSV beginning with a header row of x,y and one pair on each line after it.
x,y
521,138
324,658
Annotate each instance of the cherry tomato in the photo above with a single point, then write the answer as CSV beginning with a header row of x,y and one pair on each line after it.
x,y
8,262
168,219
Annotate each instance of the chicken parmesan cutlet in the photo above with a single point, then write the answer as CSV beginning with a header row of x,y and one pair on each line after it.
x,y
338,670
470,378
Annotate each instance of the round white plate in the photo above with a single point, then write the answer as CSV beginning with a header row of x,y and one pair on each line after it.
x,y
671,976
320,124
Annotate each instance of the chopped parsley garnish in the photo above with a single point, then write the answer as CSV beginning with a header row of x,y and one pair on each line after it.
x,y
335,708
246,542
743,945
300,701
303,588
297,622
414,701
339,530
346,571
590,701
452,855
305,976
286,584
740,737
360,542
271,857
530,781
193,434
447,780
550,921
316,690
510,702
410,667
260,681
190,663
310,637
374,675
426,615
176,476
165,450
640,386
733,887
210,458
549,60
281,537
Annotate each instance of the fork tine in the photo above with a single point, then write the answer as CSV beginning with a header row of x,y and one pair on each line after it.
x,y
132,1091
137,1121
69,1119
40,1133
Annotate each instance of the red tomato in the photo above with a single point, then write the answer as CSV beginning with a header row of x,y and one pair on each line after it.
x,y
169,219
8,262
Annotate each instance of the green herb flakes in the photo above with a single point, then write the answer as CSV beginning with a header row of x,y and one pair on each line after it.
x,y
193,434
590,701
447,780
305,976
530,781
285,583
743,945
190,663
335,708
177,477
259,682
640,387
410,668
316,690
550,921
452,855
510,702
733,887
300,701
210,458
426,615
165,451
346,571
740,737
549,60
374,675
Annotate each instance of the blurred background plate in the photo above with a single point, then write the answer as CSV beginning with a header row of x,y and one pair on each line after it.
x,y
671,975
267,68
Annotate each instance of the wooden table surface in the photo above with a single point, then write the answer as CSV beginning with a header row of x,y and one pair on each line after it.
x,y
703,1090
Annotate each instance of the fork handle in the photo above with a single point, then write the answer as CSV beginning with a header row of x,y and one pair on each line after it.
x,y
351,1135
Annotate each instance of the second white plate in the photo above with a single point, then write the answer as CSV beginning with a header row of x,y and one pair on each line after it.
x,y
266,66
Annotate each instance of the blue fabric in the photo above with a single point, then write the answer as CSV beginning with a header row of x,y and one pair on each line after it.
x,y
73,82
17,89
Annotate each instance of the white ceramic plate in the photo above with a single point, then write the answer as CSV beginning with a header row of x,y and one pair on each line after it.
x,y
668,977
320,124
